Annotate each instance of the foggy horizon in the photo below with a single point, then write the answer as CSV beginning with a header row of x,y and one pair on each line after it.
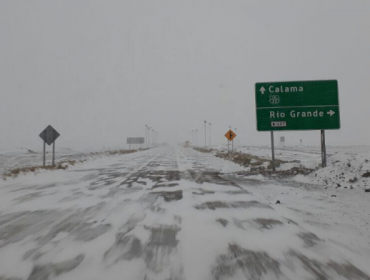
x,y
99,72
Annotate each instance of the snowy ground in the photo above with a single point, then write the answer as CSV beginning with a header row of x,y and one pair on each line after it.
x,y
18,158
347,167
175,213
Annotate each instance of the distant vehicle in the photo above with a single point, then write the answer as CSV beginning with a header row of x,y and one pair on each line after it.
x,y
187,144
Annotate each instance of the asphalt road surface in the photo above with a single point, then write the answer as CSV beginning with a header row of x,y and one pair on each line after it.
x,y
171,213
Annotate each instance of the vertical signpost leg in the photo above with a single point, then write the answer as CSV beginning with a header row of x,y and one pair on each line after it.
x,y
53,153
44,155
53,148
273,150
323,148
232,146
228,146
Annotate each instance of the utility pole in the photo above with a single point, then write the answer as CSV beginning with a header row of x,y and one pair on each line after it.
x,y
146,136
210,135
205,134
150,137
153,135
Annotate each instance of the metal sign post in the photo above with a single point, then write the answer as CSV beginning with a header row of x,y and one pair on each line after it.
x,y
53,161
273,151
44,156
323,148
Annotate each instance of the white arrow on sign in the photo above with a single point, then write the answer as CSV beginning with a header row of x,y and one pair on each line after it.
x,y
331,113
262,90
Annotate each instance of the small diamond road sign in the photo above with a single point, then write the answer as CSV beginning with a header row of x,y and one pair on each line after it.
x,y
49,135
300,105
230,135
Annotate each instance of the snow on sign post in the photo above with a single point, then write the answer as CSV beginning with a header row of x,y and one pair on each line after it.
x,y
298,105
49,135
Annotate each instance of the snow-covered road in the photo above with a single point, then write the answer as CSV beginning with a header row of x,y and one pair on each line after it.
x,y
175,213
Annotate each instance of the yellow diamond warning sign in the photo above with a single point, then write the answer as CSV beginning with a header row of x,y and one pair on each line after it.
x,y
230,135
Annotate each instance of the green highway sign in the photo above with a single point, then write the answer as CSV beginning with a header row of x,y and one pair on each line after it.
x,y
300,105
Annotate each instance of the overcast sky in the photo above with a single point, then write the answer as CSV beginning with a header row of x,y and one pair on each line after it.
x,y
98,71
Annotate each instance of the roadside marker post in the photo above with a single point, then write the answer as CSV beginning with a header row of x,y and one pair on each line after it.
x,y
49,135
298,105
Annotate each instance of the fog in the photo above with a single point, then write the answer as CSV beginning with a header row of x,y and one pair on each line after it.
x,y
99,71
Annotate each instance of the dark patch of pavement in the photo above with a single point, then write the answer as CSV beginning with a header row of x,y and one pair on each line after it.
x,y
324,271
169,196
44,272
253,265
310,239
160,246
222,222
267,223
203,192
213,205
